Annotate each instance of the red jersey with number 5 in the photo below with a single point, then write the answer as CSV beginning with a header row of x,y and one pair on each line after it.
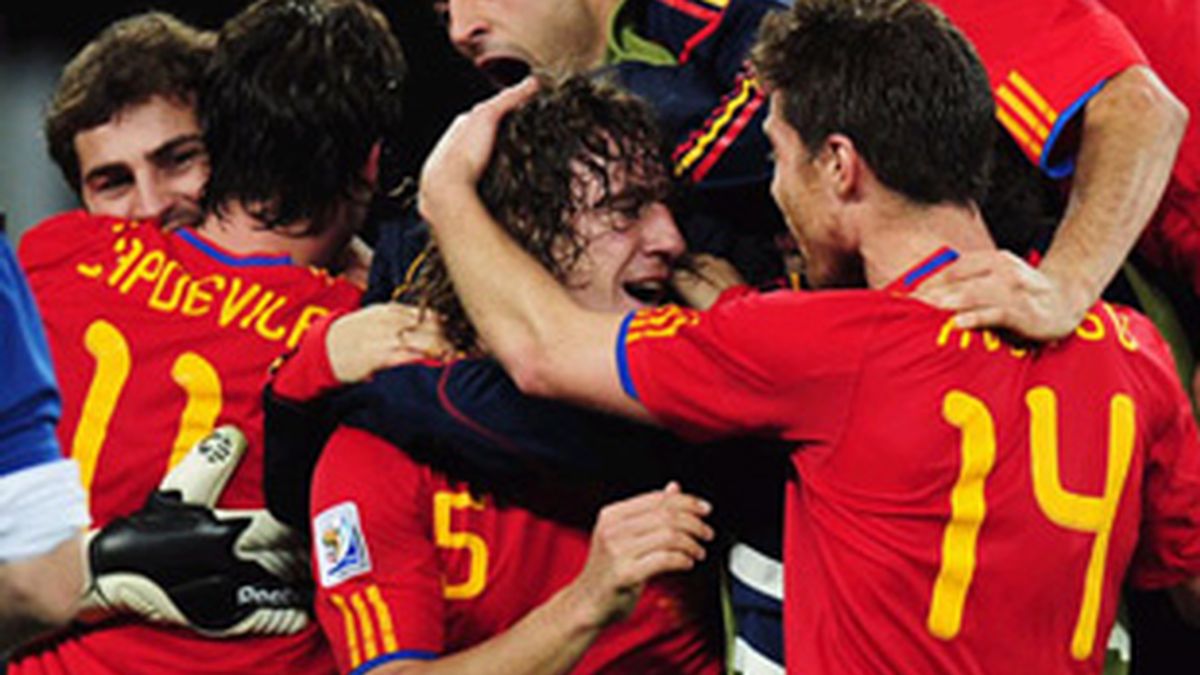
x,y
963,506
412,565
158,338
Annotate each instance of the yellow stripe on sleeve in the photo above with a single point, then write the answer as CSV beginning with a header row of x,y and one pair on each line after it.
x,y
1014,127
387,629
370,649
1018,106
1032,95
718,126
351,634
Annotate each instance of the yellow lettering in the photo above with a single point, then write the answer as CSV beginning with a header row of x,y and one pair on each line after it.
x,y
991,341
147,269
1092,328
307,316
264,300
1082,513
90,271
1121,326
171,303
197,301
263,327
125,261
235,303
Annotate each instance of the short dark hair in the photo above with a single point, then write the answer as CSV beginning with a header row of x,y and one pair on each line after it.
x,y
547,153
126,64
295,96
896,78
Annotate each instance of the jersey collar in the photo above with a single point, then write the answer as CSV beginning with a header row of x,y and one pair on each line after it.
x,y
917,274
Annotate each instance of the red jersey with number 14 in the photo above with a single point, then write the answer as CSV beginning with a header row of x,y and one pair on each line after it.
x,y
158,338
962,505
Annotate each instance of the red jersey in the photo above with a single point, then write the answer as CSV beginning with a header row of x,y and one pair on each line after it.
x,y
411,564
1045,60
1169,32
961,504
158,338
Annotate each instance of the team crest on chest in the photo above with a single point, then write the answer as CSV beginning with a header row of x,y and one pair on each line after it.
x,y
341,548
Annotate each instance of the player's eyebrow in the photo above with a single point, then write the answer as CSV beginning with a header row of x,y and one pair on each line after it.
x,y
163,153
110,171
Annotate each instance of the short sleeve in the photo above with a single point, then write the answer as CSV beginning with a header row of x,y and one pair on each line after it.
x,y
1046,60
379,594
781,364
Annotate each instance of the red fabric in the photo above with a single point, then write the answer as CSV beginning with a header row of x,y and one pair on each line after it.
x,y
1169,32
858,380
1061,48
528,558
307,373
197,335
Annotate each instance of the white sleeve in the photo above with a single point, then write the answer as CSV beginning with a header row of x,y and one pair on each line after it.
x,y
40,507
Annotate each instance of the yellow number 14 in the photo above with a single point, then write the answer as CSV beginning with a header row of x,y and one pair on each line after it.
x,y
1082,513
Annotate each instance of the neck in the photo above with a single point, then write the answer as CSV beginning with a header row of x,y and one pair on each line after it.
x,y
602,12
907,233
239,232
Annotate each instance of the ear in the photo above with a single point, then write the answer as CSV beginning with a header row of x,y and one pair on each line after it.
x,y
842,166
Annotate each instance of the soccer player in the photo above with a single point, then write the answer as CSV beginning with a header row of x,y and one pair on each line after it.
x,y
41,571
158,338
425,569
949,478
122,126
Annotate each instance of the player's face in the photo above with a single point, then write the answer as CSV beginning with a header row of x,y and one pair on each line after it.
x,y
631,246
148,161
506,38
805,201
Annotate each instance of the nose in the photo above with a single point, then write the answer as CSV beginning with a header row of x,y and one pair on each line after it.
x,y
466,26
660,235
151,198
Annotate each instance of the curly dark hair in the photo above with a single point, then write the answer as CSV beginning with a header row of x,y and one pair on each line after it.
x,y
126,64
580,145
294,99
897,78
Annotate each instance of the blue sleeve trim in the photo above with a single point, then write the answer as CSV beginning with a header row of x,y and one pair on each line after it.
x,y
405,655
623,359
1067,166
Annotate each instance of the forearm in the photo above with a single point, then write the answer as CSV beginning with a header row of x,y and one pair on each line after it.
x,y
547,641
1131,133
40,593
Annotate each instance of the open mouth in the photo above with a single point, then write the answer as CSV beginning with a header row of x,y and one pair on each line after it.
x,y
504,70
649,292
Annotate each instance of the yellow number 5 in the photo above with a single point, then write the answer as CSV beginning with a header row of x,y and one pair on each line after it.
x,y
443,505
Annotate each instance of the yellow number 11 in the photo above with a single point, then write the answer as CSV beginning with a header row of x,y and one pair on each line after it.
x,y
1082,513
110,349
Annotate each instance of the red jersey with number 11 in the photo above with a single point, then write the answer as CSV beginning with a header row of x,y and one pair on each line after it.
x,y
158,338
962,505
